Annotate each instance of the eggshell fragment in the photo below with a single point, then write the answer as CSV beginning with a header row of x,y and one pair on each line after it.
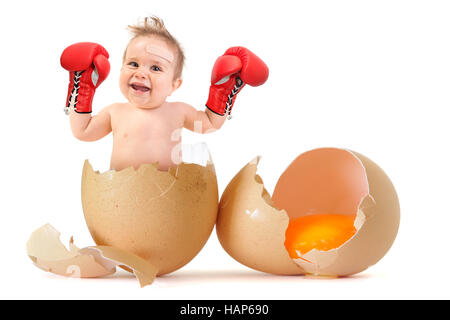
x,y
164,217
250,229
321,181
48,253
144,271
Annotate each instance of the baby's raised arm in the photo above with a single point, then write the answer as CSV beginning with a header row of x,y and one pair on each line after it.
x,y
87,128
235,68
201,121
88,66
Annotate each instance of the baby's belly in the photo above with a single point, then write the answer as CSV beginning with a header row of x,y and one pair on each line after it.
x,y
166,153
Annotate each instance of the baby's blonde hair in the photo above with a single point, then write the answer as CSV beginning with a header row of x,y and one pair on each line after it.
x,y
154,26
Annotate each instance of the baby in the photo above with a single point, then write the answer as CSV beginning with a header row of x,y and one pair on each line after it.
x,y
146,129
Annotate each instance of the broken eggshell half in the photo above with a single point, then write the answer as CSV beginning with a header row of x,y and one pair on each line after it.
x,y
252,226
165,217
48,253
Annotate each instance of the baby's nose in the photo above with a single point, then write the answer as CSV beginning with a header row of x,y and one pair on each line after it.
x,y
141,73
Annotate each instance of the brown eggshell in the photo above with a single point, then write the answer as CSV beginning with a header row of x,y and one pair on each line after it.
x,y
48,253
164,217
331,180
250,229
320,181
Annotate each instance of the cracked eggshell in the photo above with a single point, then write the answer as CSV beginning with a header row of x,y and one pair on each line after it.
x,y
326,180
164,217
48,253
250,229
332,180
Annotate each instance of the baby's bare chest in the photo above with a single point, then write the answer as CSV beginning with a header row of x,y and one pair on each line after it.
x,y
141,126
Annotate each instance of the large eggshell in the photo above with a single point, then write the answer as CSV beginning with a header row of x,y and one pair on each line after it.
x,y
250,229
331,180
164,217
326,180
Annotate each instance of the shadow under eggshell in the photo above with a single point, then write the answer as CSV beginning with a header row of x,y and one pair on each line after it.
x,y
164,217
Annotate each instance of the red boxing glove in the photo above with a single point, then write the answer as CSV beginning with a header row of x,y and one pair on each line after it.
x,y
237,67
88,66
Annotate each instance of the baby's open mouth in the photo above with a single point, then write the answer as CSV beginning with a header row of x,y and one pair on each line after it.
x,y
140,87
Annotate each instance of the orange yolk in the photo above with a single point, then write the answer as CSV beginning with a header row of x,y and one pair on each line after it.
x,y
320,231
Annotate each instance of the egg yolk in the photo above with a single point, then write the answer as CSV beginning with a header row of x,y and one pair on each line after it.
x,y
320,231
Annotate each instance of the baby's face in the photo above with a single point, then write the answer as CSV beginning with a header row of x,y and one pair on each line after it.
x,y
147,74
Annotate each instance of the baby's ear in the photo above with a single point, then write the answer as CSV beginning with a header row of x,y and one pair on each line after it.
x,y
176,84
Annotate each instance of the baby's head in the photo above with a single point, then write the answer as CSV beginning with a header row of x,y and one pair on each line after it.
x,y
152,64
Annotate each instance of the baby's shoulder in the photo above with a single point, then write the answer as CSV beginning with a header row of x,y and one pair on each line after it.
x,y
179,107
116,108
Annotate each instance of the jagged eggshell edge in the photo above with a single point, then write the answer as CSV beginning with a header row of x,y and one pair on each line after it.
x,y
377,223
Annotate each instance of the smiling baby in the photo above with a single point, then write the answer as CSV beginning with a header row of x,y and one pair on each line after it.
x,y
146,128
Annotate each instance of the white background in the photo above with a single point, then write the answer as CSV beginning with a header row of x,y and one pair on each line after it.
x,y
371,76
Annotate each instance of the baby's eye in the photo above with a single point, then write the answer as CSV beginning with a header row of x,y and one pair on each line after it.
x,y
133,64
155,68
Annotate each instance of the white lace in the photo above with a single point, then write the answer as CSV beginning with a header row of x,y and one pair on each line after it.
x,y
233,93
74,94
